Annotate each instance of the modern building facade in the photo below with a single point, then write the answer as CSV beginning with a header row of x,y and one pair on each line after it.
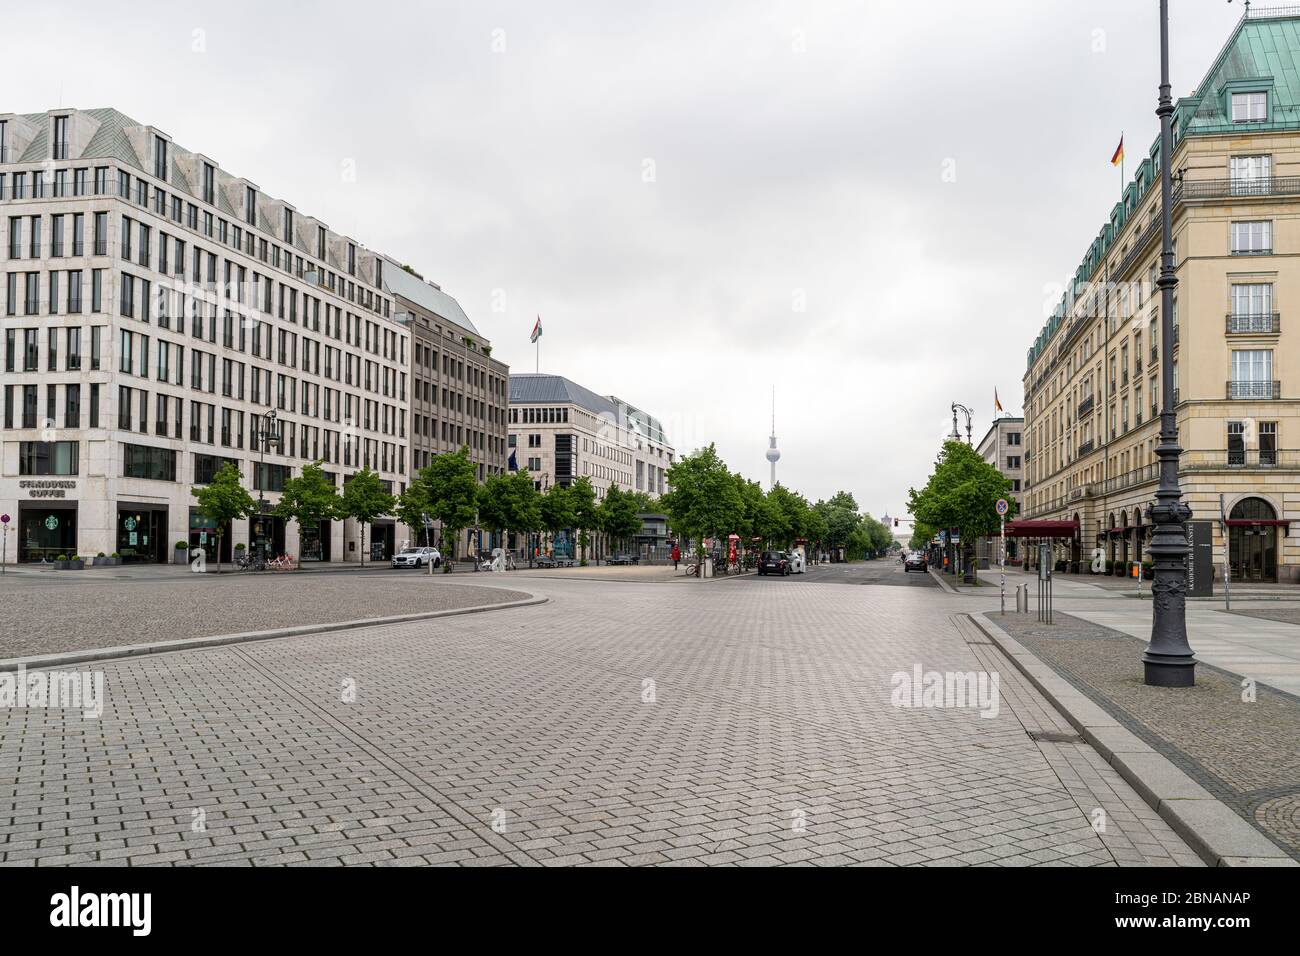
x,y
560,431
1003,447
162,316
1092,387
459,392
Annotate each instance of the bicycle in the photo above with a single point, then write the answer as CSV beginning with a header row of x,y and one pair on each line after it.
x,y
284,562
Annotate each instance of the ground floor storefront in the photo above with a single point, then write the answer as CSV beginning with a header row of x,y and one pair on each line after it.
x,y
1249,526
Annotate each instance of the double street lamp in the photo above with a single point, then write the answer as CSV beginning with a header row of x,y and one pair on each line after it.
x,y
1168,661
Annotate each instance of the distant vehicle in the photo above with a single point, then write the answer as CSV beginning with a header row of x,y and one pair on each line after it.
x,y
798,561
417,558
774,562
623,559
916,562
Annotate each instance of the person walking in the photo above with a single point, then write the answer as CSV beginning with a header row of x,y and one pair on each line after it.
x,y
677,556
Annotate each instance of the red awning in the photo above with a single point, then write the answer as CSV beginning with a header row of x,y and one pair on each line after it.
x,y
1257,523
1024,528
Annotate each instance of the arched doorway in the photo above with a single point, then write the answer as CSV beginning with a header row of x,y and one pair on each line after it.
x,y
1137,534
1123,524
1252,540
1110,537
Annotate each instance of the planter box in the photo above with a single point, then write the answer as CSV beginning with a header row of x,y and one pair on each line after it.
x,y
62,565
180,555
76,565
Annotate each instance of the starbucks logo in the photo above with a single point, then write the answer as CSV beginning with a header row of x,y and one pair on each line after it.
x,y
130,524
51,522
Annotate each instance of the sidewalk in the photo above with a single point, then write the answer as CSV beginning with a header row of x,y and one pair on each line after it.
x,y
1266,650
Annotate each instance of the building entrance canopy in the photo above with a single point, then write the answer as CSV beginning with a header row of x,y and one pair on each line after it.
x,y
1042,529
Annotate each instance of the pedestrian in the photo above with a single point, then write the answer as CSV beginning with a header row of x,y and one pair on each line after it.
x,y
677,556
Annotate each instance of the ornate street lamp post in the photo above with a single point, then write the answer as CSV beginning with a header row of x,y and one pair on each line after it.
x,y
1168,661
967,548
268,421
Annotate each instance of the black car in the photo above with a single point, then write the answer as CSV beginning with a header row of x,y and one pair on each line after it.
x,y
774,562
916,562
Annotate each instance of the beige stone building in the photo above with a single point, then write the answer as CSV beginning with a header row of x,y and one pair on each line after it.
x,y
1092,388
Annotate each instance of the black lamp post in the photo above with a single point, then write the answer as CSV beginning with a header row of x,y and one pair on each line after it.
x,y
967,549
1168,661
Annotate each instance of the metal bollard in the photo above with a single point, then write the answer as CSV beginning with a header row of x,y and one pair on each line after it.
x,y
1022,598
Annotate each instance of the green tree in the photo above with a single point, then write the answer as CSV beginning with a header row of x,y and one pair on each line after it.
x,y
557,510
509,502
585,513
308,499
224,500
704,501
793,515
961,494
412,507
922,534
618,514
452,484
840,514
364,499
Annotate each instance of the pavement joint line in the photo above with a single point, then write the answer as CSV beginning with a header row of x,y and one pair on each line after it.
x,y
938,576
444,803
884,740
222,640
1200,820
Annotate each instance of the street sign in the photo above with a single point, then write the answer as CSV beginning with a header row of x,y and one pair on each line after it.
x,y
4,519
1002,506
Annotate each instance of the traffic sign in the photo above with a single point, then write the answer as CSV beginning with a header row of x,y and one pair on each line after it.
x,y
4,519
1002,506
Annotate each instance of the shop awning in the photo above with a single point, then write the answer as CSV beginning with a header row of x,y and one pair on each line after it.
x,y
1026,528
1258,523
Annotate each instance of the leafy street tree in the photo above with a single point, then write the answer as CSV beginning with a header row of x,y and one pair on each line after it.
x,y
704,501
618,514
224,500
840,514
793,513
509,502
364,499
557,510
308,499
583,496
961,494
922,534
452,486
412,507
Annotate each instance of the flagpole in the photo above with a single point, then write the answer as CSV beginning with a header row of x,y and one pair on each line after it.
x,y
1121,165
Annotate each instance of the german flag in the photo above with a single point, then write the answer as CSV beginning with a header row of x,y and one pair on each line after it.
x,y
1119,152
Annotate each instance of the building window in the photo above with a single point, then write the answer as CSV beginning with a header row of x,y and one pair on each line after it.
x,y
145,461
1252,238
160,158
209,184
1252,307
48,457
1252,374
1249,175
60,137
1249,107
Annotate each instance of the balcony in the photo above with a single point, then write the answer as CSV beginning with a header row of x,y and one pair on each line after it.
x,y
1085,407
1191,190
1086,447
1249,323
1265,390
1244,458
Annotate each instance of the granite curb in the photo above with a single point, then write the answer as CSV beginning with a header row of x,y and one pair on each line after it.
x,y
49,661
1218,834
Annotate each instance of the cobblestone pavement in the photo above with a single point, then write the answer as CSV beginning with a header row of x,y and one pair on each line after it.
x,y
49,614
619,724
1245,752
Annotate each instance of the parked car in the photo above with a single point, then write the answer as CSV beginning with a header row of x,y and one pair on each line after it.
x,y
774,562
623,559
417,558
916,562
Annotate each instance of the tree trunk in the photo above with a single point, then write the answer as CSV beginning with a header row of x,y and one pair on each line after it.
x,y
363,544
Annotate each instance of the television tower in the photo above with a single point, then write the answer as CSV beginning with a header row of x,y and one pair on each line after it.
x,y
773,454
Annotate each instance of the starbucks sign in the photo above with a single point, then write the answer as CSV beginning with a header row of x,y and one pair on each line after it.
x,y
51,522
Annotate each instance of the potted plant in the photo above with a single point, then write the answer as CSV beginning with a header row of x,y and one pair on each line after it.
x,y
77,563
61,563
181,553
99,559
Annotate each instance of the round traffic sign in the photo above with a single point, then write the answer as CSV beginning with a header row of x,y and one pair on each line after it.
x,y
1002,506
4,519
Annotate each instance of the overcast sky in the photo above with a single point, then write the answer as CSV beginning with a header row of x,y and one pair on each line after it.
x,y
868,205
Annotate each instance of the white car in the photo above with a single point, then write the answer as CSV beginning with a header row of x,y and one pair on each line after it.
x,y
417,558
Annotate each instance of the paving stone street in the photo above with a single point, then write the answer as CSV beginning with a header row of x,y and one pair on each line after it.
x,y
744,721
